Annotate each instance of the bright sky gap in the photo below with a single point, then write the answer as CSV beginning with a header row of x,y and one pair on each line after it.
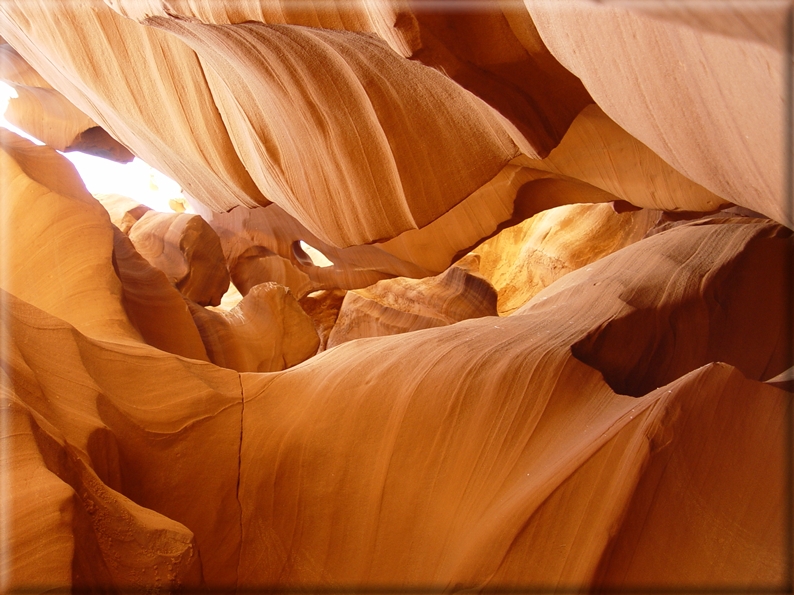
x,y
136,179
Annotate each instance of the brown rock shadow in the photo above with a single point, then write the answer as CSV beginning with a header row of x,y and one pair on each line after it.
x,y
737,316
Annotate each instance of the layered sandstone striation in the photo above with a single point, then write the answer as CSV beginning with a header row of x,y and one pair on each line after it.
x,y
46,114
266,331
492,298
403,305
642,72
523,259
187,250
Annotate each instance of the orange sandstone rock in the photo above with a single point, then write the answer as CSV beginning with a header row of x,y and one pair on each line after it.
x,y
263,244
69,528
15,70
57,241
625,428
402,305
187,250
469,442
258,264
386,171
739,264
522,260
267,331
47,115
124,212
495,54
96,141
158,107
125,433
431,164
596,161
739,462
711,105
597,151
439,457
154,306
323,308
390,21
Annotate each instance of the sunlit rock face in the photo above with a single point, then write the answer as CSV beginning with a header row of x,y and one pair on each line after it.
x,y
402,305
46,114
523,259
266,331
719,118
487,298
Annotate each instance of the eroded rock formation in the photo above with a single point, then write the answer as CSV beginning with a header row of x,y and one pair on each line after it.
x,y
485,298
187,250
403,305
266,332
46,114
523,259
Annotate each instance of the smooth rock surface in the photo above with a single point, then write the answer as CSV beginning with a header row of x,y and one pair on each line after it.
x,y
522,260
645,71
403,305
187,250
47,115
383,183
266,332
57,241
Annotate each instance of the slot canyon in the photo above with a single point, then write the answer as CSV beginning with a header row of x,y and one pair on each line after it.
x,y
475,296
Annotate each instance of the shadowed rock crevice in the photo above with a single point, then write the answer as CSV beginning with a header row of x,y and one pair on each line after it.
x,y
96,141
711,318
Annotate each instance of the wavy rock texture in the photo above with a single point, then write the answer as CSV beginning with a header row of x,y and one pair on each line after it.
x,y
645,70
381,18
524,259
146,439
497,493
597,151
263,244
124,212
153,305
129,102
266,332
45,114
94,535
497,54
323,308
596,161
510,306
403,305
372,173
70,277
750,251
363,150
413,189
187,250
472,492
96,141
257,265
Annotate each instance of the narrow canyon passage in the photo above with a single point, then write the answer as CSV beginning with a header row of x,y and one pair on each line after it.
x,y
460,298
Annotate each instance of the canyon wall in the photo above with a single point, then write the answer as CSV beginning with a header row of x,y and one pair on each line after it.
x,y
470,297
